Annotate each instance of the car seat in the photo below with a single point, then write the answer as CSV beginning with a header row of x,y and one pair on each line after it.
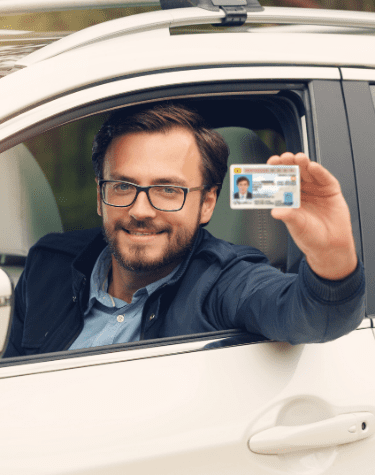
x,y
28,209
256,227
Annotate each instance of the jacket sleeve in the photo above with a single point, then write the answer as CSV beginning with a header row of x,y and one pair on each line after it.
x,y
297,308
31,273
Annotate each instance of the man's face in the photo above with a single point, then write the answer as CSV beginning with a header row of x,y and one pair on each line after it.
x,y
243,186
141,237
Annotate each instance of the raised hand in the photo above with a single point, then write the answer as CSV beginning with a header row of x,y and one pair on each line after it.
x,y
321,227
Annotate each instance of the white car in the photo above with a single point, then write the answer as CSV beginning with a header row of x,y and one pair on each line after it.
x,y
215,403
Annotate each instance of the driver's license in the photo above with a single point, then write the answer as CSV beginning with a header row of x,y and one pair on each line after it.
x,y
264,186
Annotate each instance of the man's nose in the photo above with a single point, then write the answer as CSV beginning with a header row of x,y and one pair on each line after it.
x,y
142,208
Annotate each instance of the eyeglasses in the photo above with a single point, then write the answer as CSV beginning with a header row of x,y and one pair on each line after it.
x,y
161,197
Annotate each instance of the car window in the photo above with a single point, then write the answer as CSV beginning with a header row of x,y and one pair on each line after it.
x,y
271,121
64,155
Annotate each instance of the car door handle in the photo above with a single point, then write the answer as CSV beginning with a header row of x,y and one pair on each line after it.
x,y
338,430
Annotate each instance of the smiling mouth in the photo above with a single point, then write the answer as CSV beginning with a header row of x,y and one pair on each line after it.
x,y
137,233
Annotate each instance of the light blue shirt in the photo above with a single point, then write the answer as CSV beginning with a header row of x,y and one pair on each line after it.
x,y
108,320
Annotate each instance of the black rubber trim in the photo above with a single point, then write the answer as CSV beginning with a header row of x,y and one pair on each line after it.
x,y
361,117
332,135
215,340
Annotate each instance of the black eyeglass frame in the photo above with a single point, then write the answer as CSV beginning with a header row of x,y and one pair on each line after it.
x,y
146,190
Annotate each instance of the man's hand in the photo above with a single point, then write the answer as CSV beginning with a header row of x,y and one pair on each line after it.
x,y
321,227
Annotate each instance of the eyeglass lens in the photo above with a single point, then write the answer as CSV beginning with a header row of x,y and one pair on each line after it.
x,y
167,198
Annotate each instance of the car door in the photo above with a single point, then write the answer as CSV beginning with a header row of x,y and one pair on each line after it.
x,y
192,406
217,403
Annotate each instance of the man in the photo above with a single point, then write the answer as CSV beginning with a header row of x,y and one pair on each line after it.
x,y
158,273
243,185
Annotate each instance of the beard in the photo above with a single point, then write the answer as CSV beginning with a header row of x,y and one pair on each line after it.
x,y
135,256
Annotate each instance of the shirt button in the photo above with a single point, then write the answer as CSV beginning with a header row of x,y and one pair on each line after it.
x,y
152,317
120,318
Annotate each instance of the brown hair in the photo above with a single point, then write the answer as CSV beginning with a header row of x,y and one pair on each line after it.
x,y
242,178
160,118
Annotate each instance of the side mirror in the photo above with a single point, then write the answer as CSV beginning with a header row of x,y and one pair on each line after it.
x,y
6,309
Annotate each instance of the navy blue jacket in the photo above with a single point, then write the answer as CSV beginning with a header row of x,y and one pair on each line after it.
x,y
219,286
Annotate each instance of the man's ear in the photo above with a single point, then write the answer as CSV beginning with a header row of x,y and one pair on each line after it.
x,y
98,198
208,205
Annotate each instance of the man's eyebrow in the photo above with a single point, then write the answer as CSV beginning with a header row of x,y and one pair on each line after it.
x,y
173,180
170,181
118,176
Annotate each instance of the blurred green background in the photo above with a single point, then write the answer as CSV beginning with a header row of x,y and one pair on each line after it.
x,y
64,154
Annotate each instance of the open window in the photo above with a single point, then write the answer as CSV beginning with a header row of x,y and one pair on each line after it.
x,y
256,120
256,125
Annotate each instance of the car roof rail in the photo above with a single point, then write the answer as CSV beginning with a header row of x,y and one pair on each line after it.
x,y
235,10
180,17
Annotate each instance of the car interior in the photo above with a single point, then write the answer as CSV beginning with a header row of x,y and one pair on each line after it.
x,y
28,207
29,204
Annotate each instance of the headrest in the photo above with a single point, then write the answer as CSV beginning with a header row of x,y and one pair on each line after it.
x,y
28,208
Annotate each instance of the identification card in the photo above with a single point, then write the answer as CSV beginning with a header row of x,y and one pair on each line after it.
x,y
264,186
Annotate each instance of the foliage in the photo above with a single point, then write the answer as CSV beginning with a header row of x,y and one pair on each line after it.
x,y
67,21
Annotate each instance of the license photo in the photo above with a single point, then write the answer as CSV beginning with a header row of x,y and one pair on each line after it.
x,y
264,186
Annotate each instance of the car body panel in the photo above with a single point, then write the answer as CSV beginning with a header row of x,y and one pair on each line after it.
x,y
358,74
191,411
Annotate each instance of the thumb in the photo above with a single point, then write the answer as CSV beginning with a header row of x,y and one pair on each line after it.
x,y
285,214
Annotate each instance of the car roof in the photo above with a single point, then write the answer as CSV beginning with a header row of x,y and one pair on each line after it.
x,y
144,43
21,49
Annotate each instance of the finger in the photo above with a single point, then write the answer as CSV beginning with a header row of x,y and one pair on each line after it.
x,y
309,171
285,159
304,163
284,214
289,158
294,219
321,175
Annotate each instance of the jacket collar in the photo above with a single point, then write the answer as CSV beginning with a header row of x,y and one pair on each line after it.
x,y
205,245
83,265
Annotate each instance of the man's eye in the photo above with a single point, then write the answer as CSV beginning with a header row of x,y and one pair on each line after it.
x,y
122,187
169,191
165,191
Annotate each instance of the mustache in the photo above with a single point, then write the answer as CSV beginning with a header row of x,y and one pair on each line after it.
x,y
134,225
